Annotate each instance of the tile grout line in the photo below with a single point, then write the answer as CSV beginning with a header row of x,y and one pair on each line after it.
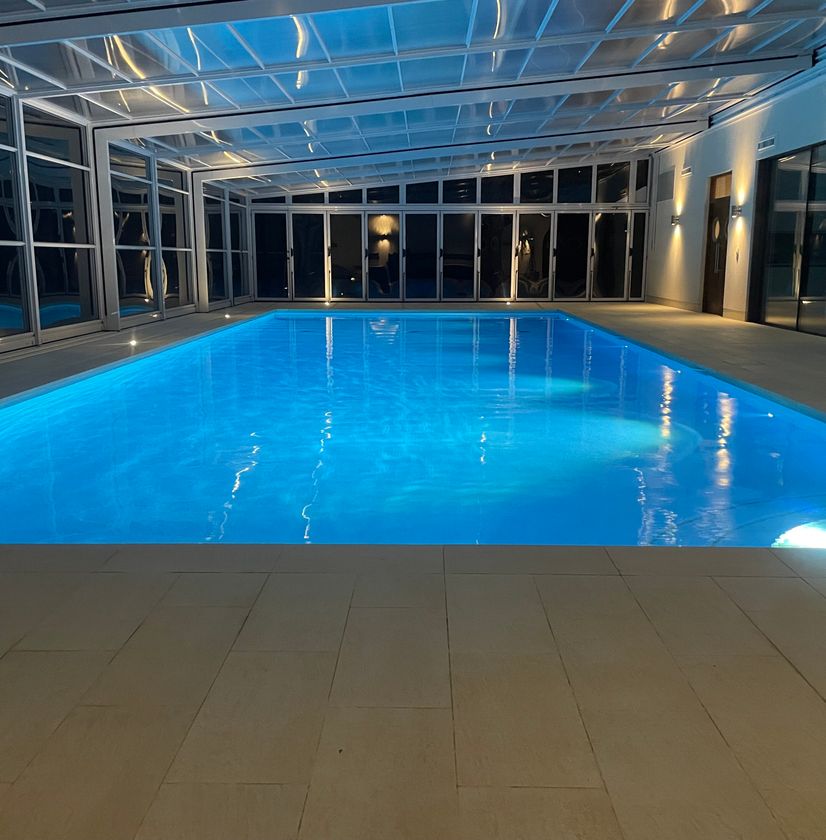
x,y
581,717
450,678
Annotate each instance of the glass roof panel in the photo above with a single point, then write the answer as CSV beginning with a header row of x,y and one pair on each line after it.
x,y
555,60
576,16
432,72
136,56
311,85
621,52
64,64
440,23
504,19
371,78
355,32
497,66
281,40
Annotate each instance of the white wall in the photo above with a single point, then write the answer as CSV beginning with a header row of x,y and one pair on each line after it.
x,y
677,256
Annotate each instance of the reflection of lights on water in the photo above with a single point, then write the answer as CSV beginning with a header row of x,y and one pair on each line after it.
x,y
726,408
810,535
665,405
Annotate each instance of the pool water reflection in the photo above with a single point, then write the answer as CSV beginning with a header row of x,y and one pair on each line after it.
x,y
408,428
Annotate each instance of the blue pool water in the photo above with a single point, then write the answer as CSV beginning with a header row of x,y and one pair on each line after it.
x,y
409,428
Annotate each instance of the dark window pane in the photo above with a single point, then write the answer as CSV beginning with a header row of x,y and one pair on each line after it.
x,y
240,275
421,256
136,288
308,245
58,202
13,311
346,257
536,187
130,205
612,182
214,223
176,282
128,163
426,192
574,185
171,177
346,197
271,199
641,185
495,261
383,195
383,263
533,255
52,136
5,123
216,276
8,198
571,266
64,286
459,191
237,228
610,247
497,189
458,262
637,256
174,233
309,198
271,255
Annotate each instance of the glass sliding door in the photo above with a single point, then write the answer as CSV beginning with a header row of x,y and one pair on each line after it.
x,y
346,256
421,256
533,256
637,256
572,255
308,255
271,255
458,256
495,255
383,256
812,316
610,255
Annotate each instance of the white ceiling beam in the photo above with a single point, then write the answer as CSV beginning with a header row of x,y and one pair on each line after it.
x,y
526,90
59,25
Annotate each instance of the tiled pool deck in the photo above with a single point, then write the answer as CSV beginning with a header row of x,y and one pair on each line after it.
x,y
423,693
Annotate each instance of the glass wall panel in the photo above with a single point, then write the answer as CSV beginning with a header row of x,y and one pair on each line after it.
x,y
13,308
271,255
64,286
572,255
127,163
53,137
498,189
575,185
5,123
459,191
383,256
421,256
637,256
612,182
424,192
240,275
536,187
812,316
58,202
176,278
383,195
174,229
214,223
533,257
346,256
496,258
130,206
641,182
346,197
459,251
9,218
309,198
610,249
308,251
217,276
135,285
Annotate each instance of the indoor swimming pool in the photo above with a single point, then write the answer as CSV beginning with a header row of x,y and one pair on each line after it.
x,y
414,427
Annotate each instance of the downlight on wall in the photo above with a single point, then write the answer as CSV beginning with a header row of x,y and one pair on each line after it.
x,y
675,220
736,211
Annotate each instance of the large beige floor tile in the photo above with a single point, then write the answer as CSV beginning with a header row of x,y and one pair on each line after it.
x,y
224,812
95,777
37,690
383,773
694,616
808,562
517,724
260,722
359,559
818,583
194,558
400,589
793,616
536,814
27,597
298,612
215,589
667,769
528,560
496,614
54,558
776,725
393,656
100,615
171,660
668,560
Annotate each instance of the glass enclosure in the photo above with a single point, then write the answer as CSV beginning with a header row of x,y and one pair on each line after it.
x,y
346,256
496,255
14,305
533,255
458,252
572,255
308,255
383,256
272,255
421,256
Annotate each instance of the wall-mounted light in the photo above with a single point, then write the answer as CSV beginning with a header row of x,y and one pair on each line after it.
x,y
675,220
686,171
736,211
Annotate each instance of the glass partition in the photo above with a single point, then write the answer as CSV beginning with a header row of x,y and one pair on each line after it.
x,y
610,249
637,257
308,255
458,255
272,256
346,256
572,255
421,256
496,255
383,256
533,255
